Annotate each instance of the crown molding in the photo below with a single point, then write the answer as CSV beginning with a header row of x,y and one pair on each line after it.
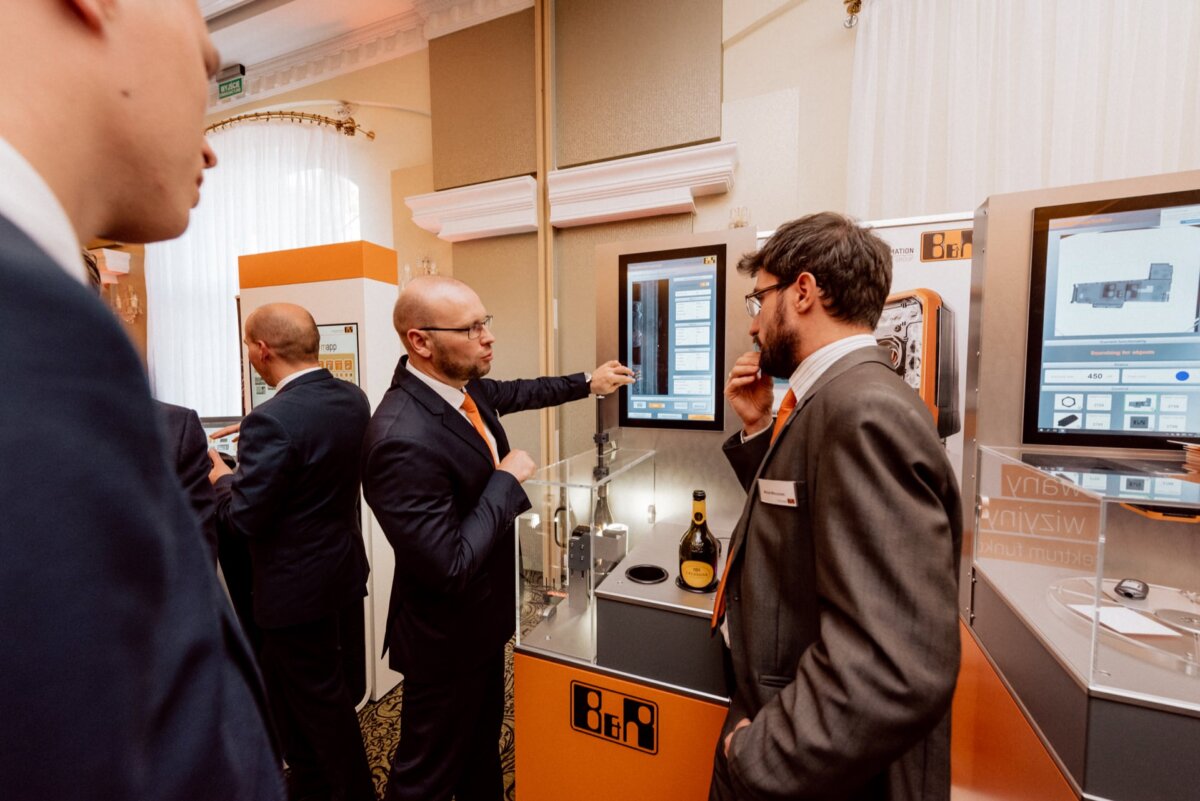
x,y
641,186
373,44
497,208
370,45
447,16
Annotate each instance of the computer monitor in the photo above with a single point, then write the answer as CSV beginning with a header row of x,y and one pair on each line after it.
x,y
1113,349
672,333
226,445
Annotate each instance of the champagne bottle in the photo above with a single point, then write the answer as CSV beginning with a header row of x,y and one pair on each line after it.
x,y
698,549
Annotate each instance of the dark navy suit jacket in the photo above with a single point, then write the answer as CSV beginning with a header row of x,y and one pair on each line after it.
x,y
125,673
295,496
448,513
187,452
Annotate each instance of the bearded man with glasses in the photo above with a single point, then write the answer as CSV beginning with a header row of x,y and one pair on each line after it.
x,y
445,486
839,598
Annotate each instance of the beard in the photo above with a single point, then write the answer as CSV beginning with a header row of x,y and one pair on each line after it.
x,y
777,356
456,369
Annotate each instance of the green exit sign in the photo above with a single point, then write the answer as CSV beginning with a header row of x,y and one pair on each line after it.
x,y
229,88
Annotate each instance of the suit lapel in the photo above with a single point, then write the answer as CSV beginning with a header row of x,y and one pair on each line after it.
x,y
452,420
842,365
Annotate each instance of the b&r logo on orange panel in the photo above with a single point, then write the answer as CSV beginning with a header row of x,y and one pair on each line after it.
x,y
613,716
946,245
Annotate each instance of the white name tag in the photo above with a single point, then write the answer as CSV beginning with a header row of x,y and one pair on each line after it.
x,y
777,493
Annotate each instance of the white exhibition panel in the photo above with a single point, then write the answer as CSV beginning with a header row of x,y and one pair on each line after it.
x,y
949,277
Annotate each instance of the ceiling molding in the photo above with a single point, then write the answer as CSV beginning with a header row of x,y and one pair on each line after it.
x,y
374,44
641,186
447,16
497,208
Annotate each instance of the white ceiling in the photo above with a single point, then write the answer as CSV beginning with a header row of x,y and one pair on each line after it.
x,y
251,32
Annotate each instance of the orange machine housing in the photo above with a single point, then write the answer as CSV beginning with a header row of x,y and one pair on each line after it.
x,y
587,735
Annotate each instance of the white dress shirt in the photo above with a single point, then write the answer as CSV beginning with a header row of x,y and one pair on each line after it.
x,y
29,204
289,379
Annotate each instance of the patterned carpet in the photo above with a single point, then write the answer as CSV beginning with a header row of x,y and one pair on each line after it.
x,y
380,723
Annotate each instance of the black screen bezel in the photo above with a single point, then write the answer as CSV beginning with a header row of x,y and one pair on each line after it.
x,y
1042,216
624,260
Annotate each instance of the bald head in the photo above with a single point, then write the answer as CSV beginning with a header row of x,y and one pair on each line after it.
x,y
288,329
432,300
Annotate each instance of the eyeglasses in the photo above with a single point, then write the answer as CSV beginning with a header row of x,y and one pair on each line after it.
x,y
754,299
474,331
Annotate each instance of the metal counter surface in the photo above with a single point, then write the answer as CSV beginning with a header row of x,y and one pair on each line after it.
x,y
661,547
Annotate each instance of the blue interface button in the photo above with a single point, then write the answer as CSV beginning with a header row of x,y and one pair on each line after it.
x,y
1183,375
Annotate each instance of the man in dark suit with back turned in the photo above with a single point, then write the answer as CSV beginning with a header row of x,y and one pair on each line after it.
x,y
840,594
187,452
295,498
445,486
125,673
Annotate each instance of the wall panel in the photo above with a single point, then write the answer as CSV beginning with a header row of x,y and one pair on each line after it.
x,y
481,82
633,76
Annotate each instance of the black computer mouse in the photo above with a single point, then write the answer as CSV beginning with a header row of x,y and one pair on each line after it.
x,y
1131,588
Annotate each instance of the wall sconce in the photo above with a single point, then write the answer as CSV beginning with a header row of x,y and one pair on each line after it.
x,y
125,302
112,266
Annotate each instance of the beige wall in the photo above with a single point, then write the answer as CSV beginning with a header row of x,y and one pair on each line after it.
x,y
504,272
788,65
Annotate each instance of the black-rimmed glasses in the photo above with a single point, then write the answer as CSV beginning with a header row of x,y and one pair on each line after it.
x,y
754,299
474,331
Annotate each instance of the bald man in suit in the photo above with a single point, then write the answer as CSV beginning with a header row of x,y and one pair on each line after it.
x,y
295,500
446,487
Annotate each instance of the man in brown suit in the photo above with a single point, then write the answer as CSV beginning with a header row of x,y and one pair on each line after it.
x,y
840,601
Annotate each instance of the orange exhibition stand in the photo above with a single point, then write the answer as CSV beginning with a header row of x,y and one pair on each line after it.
x,y
587,735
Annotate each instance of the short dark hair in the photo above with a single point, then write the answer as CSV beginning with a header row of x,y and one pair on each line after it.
x,y
851,265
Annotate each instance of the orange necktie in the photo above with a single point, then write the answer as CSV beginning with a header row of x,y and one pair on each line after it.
x,y
468,406
786,407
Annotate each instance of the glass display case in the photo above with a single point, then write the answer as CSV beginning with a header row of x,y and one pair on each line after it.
x,y
1086,595
589,512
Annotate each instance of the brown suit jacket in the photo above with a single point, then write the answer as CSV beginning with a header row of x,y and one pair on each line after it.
x,y
842,610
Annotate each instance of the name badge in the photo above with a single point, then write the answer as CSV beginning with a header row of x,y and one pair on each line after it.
x,y
777,493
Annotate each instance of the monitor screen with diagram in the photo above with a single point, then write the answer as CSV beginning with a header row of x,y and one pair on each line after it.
x,y
1113,352
672,334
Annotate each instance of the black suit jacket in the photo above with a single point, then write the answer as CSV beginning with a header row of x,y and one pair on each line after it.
x,y
295,496
125,674
187,452
843,609
448,514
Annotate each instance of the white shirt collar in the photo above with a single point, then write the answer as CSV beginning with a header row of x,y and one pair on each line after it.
x,y
452,395
289,379
29,203
811,369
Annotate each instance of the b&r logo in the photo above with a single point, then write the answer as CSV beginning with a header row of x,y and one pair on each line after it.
x,y
946,245
615,717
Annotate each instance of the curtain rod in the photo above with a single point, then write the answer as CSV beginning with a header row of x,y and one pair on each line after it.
x,y
347,126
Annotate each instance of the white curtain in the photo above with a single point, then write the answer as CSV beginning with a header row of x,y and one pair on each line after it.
x,y
277,185
958,99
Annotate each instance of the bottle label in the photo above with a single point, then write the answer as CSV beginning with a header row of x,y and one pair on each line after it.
x,y
696,574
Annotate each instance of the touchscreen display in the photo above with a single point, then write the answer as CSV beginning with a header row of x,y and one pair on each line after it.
x,y
673,336
1114,326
